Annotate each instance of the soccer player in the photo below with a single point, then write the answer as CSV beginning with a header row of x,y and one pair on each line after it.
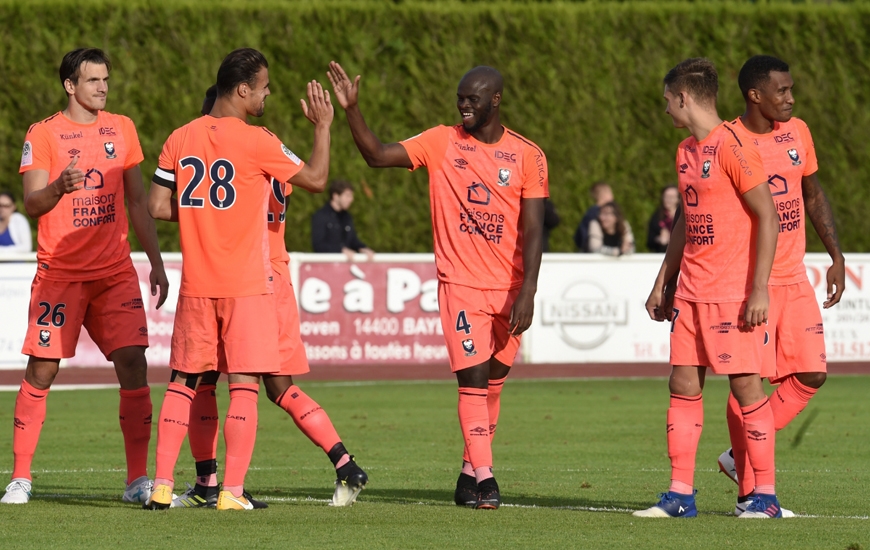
x,y
487,186
794,357
79,165
723,246
221,168
311,419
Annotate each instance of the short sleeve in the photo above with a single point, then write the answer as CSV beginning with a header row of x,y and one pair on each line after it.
x,y
741,161
38,151
811,163
427,148
536,179
165,173
275,158
134,148
288,188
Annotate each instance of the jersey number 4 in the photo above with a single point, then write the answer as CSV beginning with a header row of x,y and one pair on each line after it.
x,y
462,324
221,193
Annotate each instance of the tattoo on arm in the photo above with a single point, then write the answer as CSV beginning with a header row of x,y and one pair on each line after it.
x,y
819,211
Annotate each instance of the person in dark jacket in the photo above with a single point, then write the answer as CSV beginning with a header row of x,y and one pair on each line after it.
x,y
332,227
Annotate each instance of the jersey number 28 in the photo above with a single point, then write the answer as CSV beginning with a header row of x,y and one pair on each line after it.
x,y
221,193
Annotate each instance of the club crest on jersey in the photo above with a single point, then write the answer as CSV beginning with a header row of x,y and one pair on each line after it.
x,y
504,177
795,158
44,338
468,346
110,150
705,169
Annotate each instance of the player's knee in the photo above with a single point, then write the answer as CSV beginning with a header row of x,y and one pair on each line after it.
x,y
683,383
41,373
812,379
130,358
474,377
276,386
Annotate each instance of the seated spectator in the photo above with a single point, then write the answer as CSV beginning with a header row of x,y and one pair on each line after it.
x,y
551,221
332,227
14,228
662,221
601,194
610,234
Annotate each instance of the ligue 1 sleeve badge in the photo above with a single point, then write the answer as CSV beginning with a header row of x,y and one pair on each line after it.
x,y
795,158
705,170
110,150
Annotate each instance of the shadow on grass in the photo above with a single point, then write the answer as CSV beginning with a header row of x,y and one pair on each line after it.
x,y
444,497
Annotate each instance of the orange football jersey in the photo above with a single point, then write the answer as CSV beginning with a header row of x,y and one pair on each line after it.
x,y
222,169
719,257
84,237
475,193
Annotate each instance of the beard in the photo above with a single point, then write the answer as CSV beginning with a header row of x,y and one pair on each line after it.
x,y
482,118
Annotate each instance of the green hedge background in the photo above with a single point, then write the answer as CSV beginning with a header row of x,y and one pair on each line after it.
x,y
582,80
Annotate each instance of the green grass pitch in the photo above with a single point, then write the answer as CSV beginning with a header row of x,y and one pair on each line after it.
x,y
573,458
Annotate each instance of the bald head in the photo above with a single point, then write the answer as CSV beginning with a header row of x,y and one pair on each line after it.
x,y
478,99
485,78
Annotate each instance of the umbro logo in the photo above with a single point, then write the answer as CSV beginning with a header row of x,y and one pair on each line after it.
x,y
479,430
460,163
683,168
73,152
755,435
724,357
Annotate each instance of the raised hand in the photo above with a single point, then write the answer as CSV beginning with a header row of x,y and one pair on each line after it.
x,y
346,92
71,179
319,108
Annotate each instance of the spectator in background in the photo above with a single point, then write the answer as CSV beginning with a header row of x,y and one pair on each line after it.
x,y
14,228
601,194
610,234
332,226
551,221
662,221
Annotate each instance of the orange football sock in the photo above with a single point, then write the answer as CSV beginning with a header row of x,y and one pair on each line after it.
x,y
134,413
474,421
171,430
761,443
309,417
240,434
789,399
745,475
203,434
493,406
204,425
685,422
29,418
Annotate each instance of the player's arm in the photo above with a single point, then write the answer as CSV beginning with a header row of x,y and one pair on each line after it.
x,y
313,176
533,231
760,202
40,196
162,205
819,211
660,303
375,153
143,226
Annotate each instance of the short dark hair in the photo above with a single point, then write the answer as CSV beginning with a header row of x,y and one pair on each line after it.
x,y
210,97
5,193
337,187
697,76
239,67
756,72
70,67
